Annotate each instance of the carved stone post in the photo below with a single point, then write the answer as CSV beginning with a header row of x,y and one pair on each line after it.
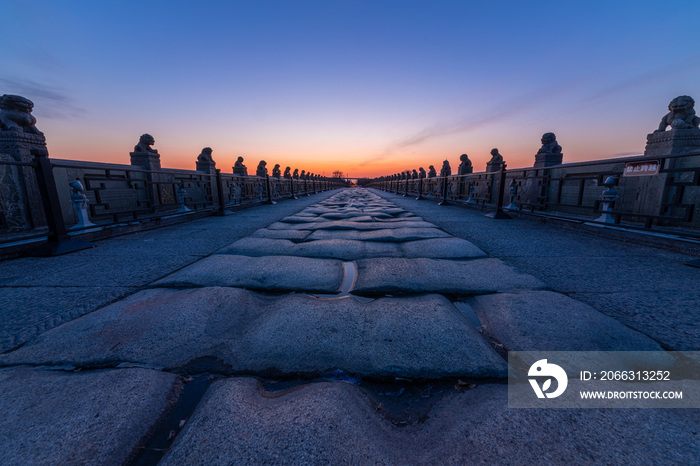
x,y
206,164
148,158
499,214
20,198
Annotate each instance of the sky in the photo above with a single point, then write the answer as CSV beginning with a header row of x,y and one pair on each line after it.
x,y
365,87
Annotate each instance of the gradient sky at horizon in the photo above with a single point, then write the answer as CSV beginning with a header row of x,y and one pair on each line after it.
x,y
365,87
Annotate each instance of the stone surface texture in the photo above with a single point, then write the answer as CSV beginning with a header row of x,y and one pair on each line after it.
x,y
101,417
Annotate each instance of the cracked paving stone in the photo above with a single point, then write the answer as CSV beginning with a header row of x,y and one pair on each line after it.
x,y
269,273
477,276
96,417
420,337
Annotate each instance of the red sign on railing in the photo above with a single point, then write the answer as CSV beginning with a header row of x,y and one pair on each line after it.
x,y
646,168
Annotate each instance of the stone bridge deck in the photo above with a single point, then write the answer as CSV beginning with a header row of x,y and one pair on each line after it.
x,y
363,328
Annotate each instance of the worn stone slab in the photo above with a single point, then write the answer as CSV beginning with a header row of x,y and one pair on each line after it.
x,y
291,235
98,417
237,421
353,249
441,248
300,219
321,423
259,247
392,235
471,277
268,273
548,321
355,217
348,225
424,336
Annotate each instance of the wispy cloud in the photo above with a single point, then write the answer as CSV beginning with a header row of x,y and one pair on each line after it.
x,y
649,78
500,112
51,102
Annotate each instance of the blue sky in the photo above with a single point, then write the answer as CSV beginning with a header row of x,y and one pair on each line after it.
x,y
365,87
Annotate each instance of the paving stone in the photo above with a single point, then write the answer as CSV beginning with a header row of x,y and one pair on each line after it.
x,y
292,235
355,217
478,276
352,249
348,225
300,219
346,249
478,427
335,423
259,247
322,423
548,321
441,248
98,417
268,273
392,235
420,337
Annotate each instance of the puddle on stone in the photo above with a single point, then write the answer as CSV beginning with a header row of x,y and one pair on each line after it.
x,y
349,279
350,276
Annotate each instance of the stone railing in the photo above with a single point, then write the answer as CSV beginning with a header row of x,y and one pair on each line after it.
x,y
60,200
648,191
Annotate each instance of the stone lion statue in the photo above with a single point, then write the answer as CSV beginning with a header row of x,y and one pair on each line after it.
x,y
276,172
295,175
681,114
549,144
431,172
421,173
287,173
496,157
238,167
262,169
16,114
446,170
205,156
145,143
465,167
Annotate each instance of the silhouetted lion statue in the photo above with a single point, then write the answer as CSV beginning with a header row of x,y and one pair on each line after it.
x,y
681,114
16,114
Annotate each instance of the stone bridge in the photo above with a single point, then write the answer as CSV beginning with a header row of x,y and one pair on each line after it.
x,y
356,326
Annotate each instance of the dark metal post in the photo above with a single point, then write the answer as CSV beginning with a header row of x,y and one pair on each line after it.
x,y
420,189
291,182
219,190
499,214
59,241
444,200
221,212
269,191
